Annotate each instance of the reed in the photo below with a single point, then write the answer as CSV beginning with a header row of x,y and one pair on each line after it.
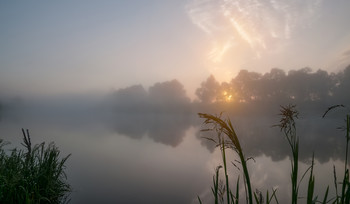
x,y
287,125
33,175
344,197
225,127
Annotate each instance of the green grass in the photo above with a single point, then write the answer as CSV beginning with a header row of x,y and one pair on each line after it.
x,y
227,138
33,175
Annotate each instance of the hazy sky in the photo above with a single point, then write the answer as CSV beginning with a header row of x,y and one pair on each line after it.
x,y
55,47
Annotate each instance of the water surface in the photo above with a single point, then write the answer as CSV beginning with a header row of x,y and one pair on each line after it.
x,y
162,157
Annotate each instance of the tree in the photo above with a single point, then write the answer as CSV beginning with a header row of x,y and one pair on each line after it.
x,y
209,90
168,95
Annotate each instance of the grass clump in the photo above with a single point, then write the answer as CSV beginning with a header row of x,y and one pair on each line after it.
x,y
33,175
344,197
227,138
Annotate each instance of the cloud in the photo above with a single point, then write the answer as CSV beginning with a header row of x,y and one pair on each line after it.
x,y
262,25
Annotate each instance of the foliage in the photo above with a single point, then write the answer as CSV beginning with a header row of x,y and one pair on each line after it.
x,y
33,175
300,86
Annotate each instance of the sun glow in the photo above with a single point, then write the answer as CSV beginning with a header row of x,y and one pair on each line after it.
x,y
227,96
218,51
265,26
242,32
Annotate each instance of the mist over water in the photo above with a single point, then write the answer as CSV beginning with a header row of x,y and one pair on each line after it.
x,y
119,85
138,145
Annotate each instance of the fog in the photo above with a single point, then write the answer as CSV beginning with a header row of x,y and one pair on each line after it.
x,y
163,114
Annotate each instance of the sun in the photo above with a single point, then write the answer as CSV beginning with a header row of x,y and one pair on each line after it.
x,y
227,96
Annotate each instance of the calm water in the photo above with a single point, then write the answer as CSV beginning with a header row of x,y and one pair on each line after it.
x,y
161,158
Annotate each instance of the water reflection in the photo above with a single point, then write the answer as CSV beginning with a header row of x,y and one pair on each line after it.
x,y
258,138
256,132
167,129
161,157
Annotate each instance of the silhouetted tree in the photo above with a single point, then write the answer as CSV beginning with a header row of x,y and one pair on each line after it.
x,y
209,90
168,96
247,85
131,99
343,86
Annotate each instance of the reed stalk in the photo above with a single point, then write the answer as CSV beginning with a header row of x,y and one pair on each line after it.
x,y
287,125
226,127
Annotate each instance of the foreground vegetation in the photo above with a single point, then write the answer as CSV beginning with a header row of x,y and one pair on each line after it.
x,y
226,137
33,175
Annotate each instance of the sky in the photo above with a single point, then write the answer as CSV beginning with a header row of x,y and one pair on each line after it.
x,y
79,47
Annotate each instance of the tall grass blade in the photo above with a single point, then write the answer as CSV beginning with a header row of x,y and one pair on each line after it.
x,y
256,199
311,184
225,169
272,196
237,191
199,200
325,196
215,190
335,185
344,185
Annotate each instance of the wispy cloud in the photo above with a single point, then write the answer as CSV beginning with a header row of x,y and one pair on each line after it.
x,y
256,23
219,50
